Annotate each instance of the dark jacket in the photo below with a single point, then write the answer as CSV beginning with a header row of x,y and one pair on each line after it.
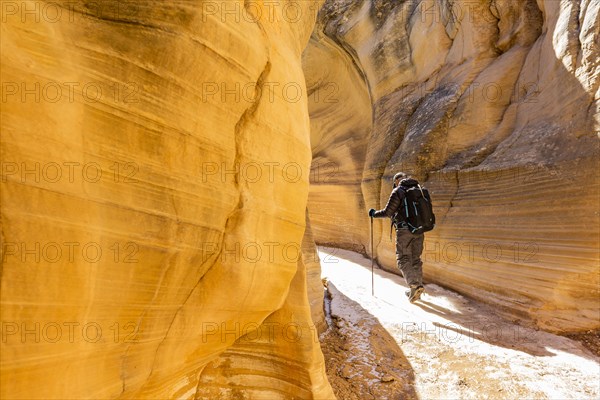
x,y
394,203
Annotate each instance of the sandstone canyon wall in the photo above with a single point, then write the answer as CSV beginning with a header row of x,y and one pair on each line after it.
x,y
494,105
155,176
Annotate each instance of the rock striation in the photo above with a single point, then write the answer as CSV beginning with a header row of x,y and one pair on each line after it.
x,y
155,162
494,105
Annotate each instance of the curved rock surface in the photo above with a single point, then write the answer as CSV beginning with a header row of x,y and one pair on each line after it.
x,y
271,362
494,105
154,188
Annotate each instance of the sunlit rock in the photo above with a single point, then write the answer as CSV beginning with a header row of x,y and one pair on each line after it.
x,y
154,188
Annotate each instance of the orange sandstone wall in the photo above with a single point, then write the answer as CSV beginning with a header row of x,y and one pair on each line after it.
x,y
148,238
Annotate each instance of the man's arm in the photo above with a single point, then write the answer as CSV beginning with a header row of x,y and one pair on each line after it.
x,y
392,206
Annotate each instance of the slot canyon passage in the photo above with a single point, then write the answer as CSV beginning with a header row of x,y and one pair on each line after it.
x,y
169,168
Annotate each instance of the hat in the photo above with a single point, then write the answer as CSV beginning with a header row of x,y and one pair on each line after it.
x,y
399,175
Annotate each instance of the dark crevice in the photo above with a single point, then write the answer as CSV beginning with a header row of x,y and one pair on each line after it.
x,y
575,43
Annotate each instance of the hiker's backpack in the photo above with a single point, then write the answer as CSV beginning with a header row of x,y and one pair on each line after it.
x,y
416,210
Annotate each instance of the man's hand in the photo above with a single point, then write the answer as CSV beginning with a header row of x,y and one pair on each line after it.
x,y
371,212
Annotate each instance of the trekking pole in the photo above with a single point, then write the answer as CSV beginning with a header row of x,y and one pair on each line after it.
x,y
372,255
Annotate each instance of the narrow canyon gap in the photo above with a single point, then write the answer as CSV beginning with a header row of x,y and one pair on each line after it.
x,y
494,106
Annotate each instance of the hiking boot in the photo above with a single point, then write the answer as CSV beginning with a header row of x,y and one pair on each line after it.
x,y
415,293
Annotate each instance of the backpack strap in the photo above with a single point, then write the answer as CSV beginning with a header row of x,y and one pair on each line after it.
x,y
422,193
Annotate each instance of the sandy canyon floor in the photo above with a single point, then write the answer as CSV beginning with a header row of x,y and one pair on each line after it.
x,y
443,347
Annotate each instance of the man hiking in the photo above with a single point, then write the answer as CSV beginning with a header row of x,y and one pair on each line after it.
x,y
407,207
